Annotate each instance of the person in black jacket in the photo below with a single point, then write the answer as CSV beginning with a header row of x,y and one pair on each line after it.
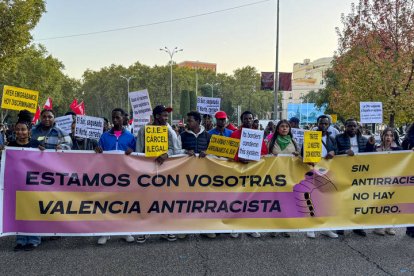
x,y
408,144
196,138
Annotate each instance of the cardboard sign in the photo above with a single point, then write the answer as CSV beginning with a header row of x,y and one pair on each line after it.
x,y
16,98
156,140
207,105
312,147
89,127
223,146
251,144
298,134
334,118
140,122
140,102
64,123
370,112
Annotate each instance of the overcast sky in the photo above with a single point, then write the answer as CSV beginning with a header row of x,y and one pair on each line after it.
x,y
231,33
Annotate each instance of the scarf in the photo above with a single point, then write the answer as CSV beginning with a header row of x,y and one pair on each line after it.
x,y
283,142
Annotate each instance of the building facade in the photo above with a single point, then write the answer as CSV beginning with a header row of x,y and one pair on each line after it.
x,y
198,65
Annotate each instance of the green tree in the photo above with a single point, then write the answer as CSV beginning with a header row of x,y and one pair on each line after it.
x,y
184,103
193,100
17,19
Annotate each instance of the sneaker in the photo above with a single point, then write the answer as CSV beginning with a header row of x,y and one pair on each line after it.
x,y
169,237
29,247
141,239
360,232
390,231
254,235
102,240
330,234
128,238
182,236
380,232
211,235
18,247
310,235
234,235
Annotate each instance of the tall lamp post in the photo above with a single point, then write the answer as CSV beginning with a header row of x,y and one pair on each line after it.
x,y
171,54
128,79
276,78
212,87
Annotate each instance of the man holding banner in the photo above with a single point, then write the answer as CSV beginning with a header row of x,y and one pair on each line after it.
x,y
220,128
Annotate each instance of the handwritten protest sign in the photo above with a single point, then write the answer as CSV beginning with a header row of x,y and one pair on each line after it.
x,y
140,102
64,123
16,98
140,122
298,136
223,146
89,127
370,112
312,147
207,105
251,144
156,140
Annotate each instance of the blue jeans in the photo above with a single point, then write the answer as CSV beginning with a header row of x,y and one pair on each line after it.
x,y
23,240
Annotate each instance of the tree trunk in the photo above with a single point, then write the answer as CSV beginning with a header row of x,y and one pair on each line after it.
x,y
392,120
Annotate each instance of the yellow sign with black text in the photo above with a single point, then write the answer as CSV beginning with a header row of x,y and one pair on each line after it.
x,y
15,98
156,140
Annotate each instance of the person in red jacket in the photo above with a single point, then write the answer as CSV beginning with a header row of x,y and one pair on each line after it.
x,y
247,122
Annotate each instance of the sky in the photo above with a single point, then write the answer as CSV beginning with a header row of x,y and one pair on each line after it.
x,y
230,33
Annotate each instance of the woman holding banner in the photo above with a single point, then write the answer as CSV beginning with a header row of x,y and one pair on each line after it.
x,y
282,142
22,131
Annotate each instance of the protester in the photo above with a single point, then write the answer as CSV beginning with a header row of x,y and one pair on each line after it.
x,y
270,128
107,125
116,139
349,143
247,122
294,122
207,122
80,143
220,128
22,131
387,144
255,124
408,144
282,142
46,135
329,150
160,115
332,130
195,139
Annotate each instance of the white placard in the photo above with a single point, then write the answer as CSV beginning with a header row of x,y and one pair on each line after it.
x,y
140,122
370,112
251,144
64,123
298,134
141,104
89,127
207,105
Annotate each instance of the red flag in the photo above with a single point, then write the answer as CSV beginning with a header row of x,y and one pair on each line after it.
x,y
36,116
80,109
48,105
73,104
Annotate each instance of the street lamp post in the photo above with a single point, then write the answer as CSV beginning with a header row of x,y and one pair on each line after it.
x,y
171,54
128,79
276,77
212,87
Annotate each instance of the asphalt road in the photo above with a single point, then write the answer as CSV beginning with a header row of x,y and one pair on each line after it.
x,y
195,255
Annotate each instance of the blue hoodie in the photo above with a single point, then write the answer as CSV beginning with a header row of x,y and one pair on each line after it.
x,y
109,142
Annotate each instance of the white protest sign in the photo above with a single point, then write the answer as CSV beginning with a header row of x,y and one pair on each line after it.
x,y
370,112
251,144
64,123
140,122
89,127
140,102
298,136
207,105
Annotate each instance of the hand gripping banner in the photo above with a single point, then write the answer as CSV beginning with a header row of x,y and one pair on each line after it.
x,y
84,193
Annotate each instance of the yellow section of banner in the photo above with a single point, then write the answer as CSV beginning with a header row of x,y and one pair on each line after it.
x,y
156,140
16,98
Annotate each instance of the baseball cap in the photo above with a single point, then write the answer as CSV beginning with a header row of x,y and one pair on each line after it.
x,y
160,109
220,115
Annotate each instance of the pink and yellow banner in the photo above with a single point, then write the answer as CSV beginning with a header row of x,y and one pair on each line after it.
x,y
86,193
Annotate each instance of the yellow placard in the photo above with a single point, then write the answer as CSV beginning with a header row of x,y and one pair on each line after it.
x,y
156,140
16,98
334,118
312,147
223,146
